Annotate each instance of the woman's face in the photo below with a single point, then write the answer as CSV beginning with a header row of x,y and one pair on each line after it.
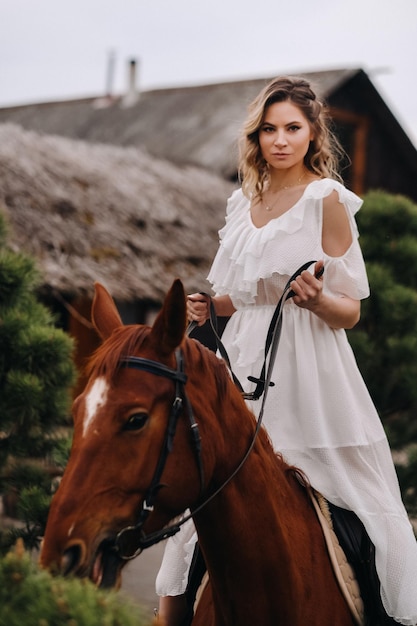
x,y
284,136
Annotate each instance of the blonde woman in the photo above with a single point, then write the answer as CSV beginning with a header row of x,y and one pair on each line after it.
x,y
292,208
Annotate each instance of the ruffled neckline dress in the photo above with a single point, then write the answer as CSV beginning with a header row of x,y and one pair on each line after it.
x,y
319,414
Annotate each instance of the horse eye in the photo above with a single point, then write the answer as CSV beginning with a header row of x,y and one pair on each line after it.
x,y
136,421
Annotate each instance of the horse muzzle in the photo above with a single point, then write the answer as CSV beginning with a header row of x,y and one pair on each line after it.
x,y
103,567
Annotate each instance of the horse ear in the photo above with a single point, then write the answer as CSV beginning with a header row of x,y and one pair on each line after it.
x,y
169,327
104,315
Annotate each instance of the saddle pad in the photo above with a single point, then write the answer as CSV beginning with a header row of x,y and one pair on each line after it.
x,y
343,571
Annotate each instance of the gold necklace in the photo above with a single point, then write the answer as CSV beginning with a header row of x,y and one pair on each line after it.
x,y
271,207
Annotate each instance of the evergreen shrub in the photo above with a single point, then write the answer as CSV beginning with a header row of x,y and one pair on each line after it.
x,y
385,340
30,596
36,377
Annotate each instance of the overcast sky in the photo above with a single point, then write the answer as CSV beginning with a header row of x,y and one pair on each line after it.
x,y
59,49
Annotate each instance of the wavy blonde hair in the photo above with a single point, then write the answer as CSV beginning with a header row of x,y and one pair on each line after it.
x,y
324,152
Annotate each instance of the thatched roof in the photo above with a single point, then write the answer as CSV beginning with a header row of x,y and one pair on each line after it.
x,y
91,212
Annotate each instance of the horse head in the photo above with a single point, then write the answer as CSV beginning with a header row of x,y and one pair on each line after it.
x,y
135,452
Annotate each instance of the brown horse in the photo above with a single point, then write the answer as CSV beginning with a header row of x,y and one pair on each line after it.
x,y
136,464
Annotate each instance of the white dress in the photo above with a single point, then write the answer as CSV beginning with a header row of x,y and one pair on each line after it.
x,y
319,414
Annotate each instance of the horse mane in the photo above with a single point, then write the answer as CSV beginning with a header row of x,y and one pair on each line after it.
x,y
209,362
124,341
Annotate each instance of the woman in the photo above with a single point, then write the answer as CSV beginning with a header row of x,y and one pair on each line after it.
x,y
292,209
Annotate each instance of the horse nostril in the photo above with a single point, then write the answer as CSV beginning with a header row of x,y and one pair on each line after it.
x,y
71,559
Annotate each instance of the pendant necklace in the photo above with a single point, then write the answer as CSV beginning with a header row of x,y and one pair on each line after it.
x,y
270,207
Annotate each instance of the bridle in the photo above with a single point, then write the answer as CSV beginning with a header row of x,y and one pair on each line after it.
x,y
134,535
124,537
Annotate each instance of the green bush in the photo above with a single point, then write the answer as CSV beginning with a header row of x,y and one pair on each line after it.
x,y
36,377
32,597
385,341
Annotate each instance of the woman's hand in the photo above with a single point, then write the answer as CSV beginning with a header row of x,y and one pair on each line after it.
x,y
198,308
337,312
308,288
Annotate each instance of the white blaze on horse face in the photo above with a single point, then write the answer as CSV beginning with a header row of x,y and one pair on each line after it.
x,y
95,399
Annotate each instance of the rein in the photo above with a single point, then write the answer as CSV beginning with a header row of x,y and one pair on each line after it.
x,y
272,337
130,541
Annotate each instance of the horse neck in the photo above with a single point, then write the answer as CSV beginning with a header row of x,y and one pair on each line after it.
x,y
265,488
247,535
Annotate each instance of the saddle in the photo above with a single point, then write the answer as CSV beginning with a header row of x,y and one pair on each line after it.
x,y
360,553
361,590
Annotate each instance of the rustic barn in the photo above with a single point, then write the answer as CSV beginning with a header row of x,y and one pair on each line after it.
x,y
103,213
199,125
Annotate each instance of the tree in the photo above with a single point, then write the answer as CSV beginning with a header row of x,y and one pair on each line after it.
x,y
36,374
385,341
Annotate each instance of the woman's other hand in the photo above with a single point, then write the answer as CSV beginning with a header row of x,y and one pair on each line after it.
x,y
198,308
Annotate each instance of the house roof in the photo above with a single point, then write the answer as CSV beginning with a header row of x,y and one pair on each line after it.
x,y
197,125
93,212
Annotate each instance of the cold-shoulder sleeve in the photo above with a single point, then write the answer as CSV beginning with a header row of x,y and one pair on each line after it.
x,y
346,275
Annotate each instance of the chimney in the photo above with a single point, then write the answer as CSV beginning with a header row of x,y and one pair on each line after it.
x,y
132,94
108,99
111,60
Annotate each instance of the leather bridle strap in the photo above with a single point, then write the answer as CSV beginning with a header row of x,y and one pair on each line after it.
x,y
125,536
159,369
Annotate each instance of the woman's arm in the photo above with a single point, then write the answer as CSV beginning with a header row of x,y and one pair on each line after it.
x,y
336,239
337,312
